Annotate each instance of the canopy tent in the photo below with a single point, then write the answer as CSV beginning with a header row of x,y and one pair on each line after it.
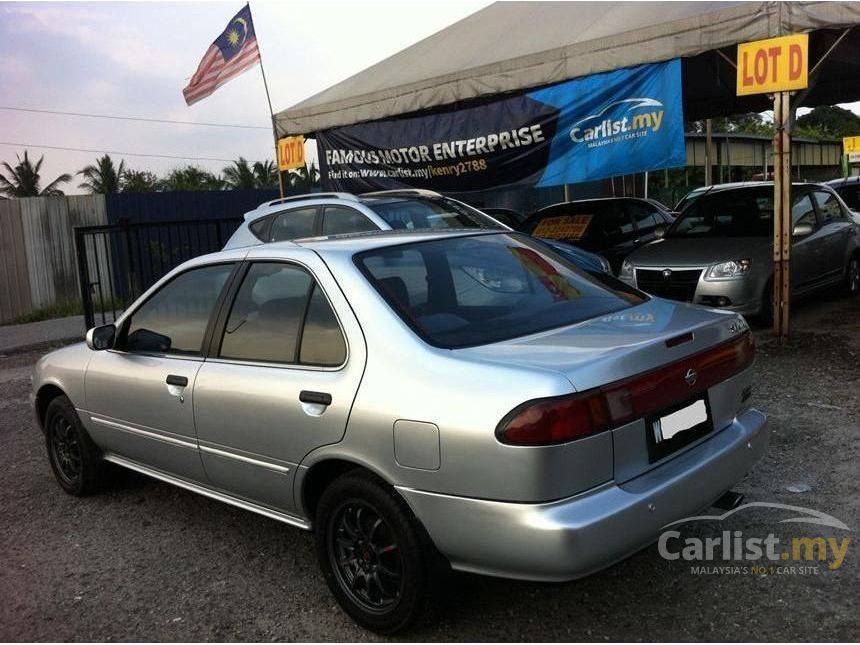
x,y
514,46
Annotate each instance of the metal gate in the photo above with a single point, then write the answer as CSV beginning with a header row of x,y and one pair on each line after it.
x,y
118,262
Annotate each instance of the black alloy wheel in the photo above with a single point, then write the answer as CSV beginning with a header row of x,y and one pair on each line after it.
x,y
366,556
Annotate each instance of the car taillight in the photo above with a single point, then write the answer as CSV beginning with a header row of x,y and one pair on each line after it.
x,y
554,420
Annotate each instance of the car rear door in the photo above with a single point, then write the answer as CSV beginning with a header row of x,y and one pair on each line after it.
x,y
283,369
139,395
835,230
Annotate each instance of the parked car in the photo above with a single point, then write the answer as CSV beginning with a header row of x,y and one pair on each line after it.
x,y
418,400
719,252
612,227
848,188
323,214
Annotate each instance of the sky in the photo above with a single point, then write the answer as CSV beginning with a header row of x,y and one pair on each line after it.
x,y
134,58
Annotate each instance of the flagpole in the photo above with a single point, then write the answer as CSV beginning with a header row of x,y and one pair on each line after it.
x,y
271,111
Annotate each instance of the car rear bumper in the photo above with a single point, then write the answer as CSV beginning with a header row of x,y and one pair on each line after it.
x,y
577,536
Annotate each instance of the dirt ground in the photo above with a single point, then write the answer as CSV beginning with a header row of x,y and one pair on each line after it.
x,y
147,561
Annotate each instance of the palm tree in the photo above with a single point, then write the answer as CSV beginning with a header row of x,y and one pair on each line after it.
x,y
190,178
305,178
138,181
24,180
266,174
103,177
240,175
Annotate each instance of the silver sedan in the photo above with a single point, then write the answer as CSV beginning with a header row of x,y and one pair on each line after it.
x,y
719,252
421,401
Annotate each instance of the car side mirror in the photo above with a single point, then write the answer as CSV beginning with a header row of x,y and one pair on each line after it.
x,y
802,230
660,231
100,338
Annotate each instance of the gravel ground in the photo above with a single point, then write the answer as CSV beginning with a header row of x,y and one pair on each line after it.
x,y
147,561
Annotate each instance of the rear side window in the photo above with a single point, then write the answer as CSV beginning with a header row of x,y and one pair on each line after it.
x,y
293,224
339,220
828,205
851,195
280,315
474,290
174,319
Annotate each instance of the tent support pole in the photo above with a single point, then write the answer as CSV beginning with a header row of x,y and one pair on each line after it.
x,y
708,133
782,111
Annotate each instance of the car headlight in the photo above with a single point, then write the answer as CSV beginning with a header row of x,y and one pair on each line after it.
x,y
729,270
626,270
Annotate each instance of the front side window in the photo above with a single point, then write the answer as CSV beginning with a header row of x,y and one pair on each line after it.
x,y
294,224
465,291
280,315
339,220
802,212
174,320
644,215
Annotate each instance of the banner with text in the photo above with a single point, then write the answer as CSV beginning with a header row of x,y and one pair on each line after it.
x,y
599,126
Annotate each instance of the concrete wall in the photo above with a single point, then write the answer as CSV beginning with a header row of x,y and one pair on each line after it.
x,y
38,265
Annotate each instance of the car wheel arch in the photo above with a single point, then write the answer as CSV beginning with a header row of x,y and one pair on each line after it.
x,y
322,472
46,393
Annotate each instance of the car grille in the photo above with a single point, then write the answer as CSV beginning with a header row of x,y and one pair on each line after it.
x,y
677,285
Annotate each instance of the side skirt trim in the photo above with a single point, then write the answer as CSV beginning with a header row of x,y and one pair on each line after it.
x,y
208,492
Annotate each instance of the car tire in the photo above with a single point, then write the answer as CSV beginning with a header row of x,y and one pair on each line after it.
x,y
375,556
851,282
74,458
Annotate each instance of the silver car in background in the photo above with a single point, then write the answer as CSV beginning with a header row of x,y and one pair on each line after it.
x,y
719,252
420,401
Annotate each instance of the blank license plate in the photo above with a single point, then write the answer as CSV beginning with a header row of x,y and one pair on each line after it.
x,y
668,426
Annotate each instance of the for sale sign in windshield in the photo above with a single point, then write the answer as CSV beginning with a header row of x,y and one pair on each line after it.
x,y
600,126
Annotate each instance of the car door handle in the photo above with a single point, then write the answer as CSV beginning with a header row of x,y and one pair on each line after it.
x,y
321,398
180,381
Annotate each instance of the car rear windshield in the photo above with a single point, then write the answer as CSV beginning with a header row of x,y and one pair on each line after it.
x,y
745,212
428,213
474,290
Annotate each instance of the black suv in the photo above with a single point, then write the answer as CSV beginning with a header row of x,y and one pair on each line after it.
x,y
612,227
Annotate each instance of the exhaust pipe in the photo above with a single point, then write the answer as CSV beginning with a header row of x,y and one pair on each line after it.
x,y
729,501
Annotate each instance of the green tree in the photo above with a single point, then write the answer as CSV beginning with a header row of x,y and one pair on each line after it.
x,y
138,181
103,177
746,123
240,175
305,178
828,122
266,174
190,178
24,179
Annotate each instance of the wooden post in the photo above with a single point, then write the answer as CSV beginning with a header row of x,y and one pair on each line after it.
x,y
781,215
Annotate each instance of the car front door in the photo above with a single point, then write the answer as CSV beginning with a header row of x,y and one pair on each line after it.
x,y
284,367
139,395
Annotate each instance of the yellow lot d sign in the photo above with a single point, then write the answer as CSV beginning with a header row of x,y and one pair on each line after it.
x,y
851,144
291,153
773,65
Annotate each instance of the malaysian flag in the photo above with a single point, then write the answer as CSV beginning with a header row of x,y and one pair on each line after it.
x,y
234,51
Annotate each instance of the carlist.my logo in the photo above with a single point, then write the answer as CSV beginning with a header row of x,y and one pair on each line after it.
x,y
618,121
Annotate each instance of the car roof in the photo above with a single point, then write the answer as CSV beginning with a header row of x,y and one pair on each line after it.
x,y
842,181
